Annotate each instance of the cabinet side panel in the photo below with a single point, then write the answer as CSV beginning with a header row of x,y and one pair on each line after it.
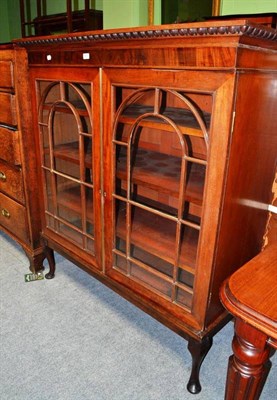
x,y
270,236
29,165
250,176
213,203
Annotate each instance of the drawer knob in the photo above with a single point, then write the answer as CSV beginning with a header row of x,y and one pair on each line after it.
x,y
5,213
3,177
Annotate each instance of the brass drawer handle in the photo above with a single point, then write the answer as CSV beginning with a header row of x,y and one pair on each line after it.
x,y
5,213
3,177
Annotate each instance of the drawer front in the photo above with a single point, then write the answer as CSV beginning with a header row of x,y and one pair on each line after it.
x,y
8,109
13,217
11,182
6,74
9,146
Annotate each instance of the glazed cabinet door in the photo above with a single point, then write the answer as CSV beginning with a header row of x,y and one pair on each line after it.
x,y
164,131
68,140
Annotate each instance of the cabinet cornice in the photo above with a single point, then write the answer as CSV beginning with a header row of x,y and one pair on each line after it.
x,y
182,31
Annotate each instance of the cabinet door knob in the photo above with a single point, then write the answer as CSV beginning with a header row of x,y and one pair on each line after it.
x,y
5,213
3,177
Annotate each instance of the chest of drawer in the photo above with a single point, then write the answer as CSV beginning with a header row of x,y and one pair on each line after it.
x,y
11,182
8,109
13,217
6,74
9,146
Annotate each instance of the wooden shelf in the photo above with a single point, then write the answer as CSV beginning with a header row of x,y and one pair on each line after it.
x,y
153,170
70,199
152,234
158,238
183,118
61,108
161,172
70,152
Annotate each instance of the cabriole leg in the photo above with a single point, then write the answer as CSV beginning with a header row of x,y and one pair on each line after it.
x,y
49,253
36,261
198,351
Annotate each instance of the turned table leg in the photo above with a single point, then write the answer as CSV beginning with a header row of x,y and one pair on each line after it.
x,y
249,366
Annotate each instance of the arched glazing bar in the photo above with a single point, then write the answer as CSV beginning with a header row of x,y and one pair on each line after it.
x,y
61,103
156,112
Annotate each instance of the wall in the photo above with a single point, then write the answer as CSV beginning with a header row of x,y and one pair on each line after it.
x,y
123,13
10,25
248,6
4,22
57,6
189,10
14,18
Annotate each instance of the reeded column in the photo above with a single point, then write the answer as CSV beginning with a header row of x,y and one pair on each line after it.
x,y
249,365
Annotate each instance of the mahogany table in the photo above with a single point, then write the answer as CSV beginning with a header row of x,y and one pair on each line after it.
x,y
250,295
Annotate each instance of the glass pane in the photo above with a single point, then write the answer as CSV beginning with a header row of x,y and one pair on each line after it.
x,y
155,177
62,118
120,244
52,91
123,132
154,233
70,234
45,115
86,124
195,179
67,168
151,260
49,200
121,171
120,262
185,277
86,165
89,211
184,298
151,280
50,222
76,93
45,145
189,245
90,245
197,147
69,215
120,225
69,201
